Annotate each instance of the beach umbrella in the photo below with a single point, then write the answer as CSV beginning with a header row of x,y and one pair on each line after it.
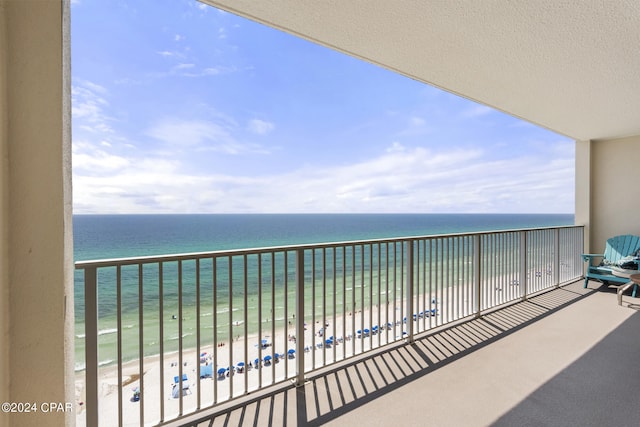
x,y
206,371
267,357
291,351
366,331
221,371
256,362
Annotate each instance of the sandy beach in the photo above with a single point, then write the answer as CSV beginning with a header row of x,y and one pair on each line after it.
x,y
219,388
211,389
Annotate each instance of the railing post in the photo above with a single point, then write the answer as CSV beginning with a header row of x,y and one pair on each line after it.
x,y
91,343
477,276
299,317
409,291
556,257
523,264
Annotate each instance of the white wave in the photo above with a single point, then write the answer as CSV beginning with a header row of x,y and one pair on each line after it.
x,y
82,366
107,331
176,337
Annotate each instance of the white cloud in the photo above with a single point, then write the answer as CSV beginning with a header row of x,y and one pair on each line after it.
x,y
260,127
88,160
476,111
395,147
201,135
410,180
88,107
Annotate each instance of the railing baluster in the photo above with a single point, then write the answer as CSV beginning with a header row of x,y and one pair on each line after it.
x,y
300,318
259,361
230,367
245,319
524,269
198,382
556,258
180,319
91,343
214,321
119,339
161,332
477,274
409,290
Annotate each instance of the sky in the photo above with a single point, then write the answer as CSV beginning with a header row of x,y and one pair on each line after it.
x,y
178,107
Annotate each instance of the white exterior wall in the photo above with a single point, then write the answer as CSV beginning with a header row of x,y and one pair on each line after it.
x,y
4,222
36,276
614,196
583,189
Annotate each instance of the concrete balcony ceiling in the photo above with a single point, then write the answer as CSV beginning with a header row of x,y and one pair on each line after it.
x,y
570,66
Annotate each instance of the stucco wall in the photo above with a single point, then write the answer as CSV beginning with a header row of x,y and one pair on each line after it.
x,y
615,199
36,279
583,189
4,238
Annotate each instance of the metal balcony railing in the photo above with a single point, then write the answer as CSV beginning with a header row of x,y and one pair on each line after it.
x,y
191,331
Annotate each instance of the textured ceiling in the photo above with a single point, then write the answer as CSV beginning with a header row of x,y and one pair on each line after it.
x,y
570,66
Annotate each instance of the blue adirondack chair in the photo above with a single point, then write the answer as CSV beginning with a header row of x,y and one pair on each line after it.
x,y
619,251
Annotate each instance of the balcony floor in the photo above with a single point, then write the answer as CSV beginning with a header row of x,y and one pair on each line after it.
x,y
563,358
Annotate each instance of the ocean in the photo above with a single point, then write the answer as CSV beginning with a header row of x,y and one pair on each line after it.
x,y
119,236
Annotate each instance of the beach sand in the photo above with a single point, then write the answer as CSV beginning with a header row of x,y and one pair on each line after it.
x,y
451,305
219,388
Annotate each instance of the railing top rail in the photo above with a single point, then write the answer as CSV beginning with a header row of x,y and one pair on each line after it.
x,y
149,259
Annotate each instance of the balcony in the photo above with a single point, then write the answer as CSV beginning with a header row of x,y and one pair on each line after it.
x,y
351,326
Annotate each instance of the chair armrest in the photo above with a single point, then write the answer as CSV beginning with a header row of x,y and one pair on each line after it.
x,y
589,257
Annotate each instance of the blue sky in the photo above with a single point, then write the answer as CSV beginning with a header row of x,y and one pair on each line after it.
x,y
181,108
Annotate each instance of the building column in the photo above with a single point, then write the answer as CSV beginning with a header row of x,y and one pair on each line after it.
x,y
583,190
36,283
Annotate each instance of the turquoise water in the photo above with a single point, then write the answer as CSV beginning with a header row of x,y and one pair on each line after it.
x,y
118,236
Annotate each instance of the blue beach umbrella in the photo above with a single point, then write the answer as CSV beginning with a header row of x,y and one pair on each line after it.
x,y
206,371
240,364
221,371
291,351
266,358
